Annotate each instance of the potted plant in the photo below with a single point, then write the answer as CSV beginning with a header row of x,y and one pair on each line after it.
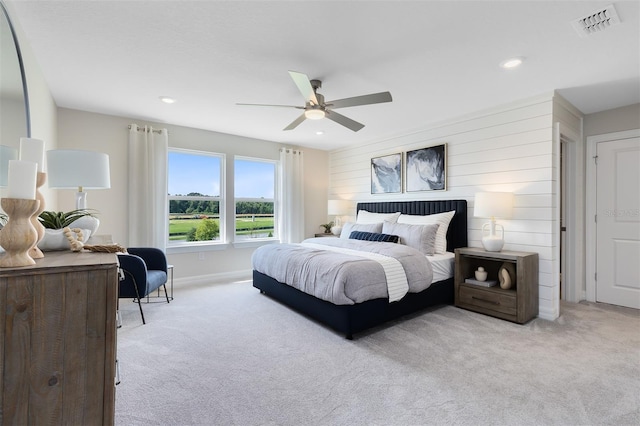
x,y
55,222
327,227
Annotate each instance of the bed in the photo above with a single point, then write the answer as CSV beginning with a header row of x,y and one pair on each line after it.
x,y
350,319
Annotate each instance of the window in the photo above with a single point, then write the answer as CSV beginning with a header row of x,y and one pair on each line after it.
x,y
196,209
254,187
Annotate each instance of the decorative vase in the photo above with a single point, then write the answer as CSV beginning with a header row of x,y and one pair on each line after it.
x,y
86,222
54,239
481,274
507,276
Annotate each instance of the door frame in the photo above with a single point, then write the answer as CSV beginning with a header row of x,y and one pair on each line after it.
x,y
572,256
591,206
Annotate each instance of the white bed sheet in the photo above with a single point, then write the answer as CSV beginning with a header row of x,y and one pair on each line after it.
x,y
443,266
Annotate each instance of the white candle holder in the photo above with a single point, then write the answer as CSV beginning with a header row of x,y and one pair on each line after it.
x,y
18,235
35,252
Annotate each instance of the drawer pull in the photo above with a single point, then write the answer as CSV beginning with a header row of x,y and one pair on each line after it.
x,y
485,300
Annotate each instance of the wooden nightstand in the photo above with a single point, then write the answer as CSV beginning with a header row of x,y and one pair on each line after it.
x,y
325,235
518,304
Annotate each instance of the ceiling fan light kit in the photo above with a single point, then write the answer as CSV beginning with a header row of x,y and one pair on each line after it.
x,y
314,114
316,108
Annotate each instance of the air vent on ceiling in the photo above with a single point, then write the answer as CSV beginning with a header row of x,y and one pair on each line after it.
x,y
596,22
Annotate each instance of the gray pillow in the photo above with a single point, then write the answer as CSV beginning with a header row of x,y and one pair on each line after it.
x,y
420,237
348,228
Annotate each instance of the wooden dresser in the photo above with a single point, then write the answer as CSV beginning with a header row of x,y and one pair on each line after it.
x,y
58,340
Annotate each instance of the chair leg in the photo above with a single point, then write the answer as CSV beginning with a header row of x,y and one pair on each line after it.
x,y
141,313
165,292
135,286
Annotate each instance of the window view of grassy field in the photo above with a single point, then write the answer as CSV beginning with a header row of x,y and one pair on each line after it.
x,y
194,183
247,225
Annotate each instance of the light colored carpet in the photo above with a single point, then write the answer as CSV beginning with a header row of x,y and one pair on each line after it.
x,y
225,354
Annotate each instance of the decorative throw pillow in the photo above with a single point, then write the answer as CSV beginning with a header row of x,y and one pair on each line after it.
x,y
420,237
370,236
348,228
365,217
441,219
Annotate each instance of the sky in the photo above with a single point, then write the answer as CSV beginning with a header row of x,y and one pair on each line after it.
x,y
201,173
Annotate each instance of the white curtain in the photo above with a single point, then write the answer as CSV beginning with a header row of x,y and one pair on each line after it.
x,y
291,214
148,206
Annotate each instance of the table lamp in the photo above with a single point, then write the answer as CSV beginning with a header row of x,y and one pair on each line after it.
x,y
81,170
493,205
337,208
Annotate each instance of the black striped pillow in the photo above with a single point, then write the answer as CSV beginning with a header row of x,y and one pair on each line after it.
x,y
371,236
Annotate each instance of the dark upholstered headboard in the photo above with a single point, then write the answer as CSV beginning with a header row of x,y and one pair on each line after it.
x,y
457,232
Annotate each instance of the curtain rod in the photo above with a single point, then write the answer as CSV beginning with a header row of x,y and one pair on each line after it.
x,y
142,129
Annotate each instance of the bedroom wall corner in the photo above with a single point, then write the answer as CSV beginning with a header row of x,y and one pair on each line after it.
x,y
316,185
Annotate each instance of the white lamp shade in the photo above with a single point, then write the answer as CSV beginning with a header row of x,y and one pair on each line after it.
x,y
70,168
338,207
493,204
6,153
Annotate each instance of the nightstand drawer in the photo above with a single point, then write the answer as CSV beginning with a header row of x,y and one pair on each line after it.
x,y
499,301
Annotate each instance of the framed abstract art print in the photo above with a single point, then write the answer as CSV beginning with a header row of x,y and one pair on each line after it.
x,y
426,169
386,174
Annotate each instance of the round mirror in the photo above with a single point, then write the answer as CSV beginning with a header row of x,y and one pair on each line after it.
x,y
14,102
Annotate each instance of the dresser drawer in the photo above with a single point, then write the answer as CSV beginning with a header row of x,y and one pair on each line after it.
x,y
495,300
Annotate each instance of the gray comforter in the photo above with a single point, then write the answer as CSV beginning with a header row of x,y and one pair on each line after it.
x,y
340,278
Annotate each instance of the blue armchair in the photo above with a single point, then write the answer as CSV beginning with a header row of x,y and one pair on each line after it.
x,y
144,270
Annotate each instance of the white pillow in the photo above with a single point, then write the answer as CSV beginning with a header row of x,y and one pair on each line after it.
x,y
441,219
348,228
420,237
365,217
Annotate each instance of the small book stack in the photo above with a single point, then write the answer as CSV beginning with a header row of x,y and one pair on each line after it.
x,y
488,283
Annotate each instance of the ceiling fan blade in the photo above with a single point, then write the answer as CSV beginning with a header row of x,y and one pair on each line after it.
x,y
269,105
304,85
374,98
345,121
295,122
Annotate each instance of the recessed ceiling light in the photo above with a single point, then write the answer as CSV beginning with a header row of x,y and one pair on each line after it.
x,y
512,63
320,132
167,99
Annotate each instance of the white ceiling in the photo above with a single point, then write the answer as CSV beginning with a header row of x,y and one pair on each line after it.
x,y
439,60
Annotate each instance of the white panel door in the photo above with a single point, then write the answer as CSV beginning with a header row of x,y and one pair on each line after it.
x,y
618,222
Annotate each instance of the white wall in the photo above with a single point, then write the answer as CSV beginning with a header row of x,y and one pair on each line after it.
x,y
508,148
109,134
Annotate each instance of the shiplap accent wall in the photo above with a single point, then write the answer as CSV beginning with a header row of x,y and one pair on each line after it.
x,y
509,148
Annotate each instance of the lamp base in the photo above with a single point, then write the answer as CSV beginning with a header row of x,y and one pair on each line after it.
x,y
492,243
491,240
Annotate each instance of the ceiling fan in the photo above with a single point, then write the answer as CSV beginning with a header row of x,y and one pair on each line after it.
x,y
316,108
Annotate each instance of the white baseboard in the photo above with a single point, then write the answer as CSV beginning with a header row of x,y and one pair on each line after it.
x,y
219,278
548,314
